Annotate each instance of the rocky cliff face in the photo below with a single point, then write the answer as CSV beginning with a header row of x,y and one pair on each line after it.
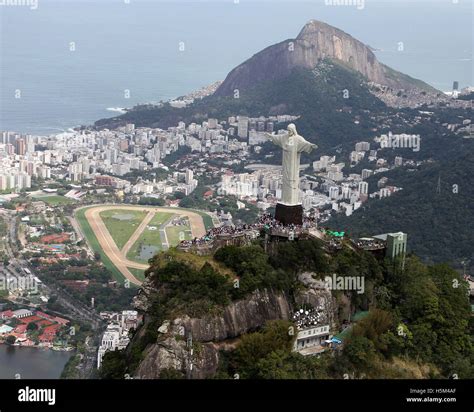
x,y
237,318
208,334
186,341
316,41
316,295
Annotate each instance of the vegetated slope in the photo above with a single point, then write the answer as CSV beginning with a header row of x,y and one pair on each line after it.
x,y
418,324
438,220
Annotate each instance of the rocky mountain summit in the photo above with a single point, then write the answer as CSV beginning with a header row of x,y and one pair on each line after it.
x,y
316,41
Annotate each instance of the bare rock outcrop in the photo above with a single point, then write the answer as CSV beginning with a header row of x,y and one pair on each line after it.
x,y
186,341
199,361
317,295
315,42
237,318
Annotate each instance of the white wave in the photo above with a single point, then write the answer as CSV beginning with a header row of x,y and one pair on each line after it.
x,y
117,109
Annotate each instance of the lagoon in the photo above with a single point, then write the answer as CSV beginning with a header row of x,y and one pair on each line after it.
x,y
31,363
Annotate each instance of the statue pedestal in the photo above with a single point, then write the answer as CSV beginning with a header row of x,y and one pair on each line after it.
x,y
288,215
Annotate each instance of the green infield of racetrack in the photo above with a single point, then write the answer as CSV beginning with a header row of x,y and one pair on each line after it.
x,y
122,230
149,237
138,273
173,234
94,244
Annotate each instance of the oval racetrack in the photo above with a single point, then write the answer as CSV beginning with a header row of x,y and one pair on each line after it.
x,y
117,256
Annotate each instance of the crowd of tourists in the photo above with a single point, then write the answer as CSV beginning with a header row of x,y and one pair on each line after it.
x,y
265,222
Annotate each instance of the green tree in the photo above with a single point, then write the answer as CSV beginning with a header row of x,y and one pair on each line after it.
x,y
114,365
373,327
253,347
31,327
359,352
10,340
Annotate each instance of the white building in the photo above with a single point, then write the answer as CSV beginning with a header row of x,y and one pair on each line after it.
x,y
243,127
366,173
310,340
334,192
362,146
110,341
22,313
116,335
363,188
384,192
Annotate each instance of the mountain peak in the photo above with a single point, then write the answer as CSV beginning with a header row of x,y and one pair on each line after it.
x,y
315,42
311,28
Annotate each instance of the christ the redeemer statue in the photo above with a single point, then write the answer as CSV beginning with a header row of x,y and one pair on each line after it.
x,y
289,210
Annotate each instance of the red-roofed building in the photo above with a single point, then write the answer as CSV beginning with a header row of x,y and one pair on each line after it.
x,y
7,314
63,256
19,336
30,319
83,270
61,321
20,328
55,238
46,340
44,323
44,315
49,334
79,285
51,329
48,260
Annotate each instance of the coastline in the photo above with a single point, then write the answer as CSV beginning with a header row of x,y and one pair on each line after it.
x,y
53,348
117,111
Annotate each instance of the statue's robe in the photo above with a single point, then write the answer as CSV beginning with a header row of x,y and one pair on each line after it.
x,y
292,147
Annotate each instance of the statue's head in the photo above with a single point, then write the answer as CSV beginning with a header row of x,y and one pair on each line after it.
x,y
291,129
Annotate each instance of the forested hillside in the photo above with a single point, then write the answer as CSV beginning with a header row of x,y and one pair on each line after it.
x,y
438,220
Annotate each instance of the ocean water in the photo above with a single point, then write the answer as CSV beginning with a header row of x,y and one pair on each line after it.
x,y
66,62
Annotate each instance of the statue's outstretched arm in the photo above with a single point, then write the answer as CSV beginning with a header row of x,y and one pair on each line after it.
x,y
275,138
306,146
